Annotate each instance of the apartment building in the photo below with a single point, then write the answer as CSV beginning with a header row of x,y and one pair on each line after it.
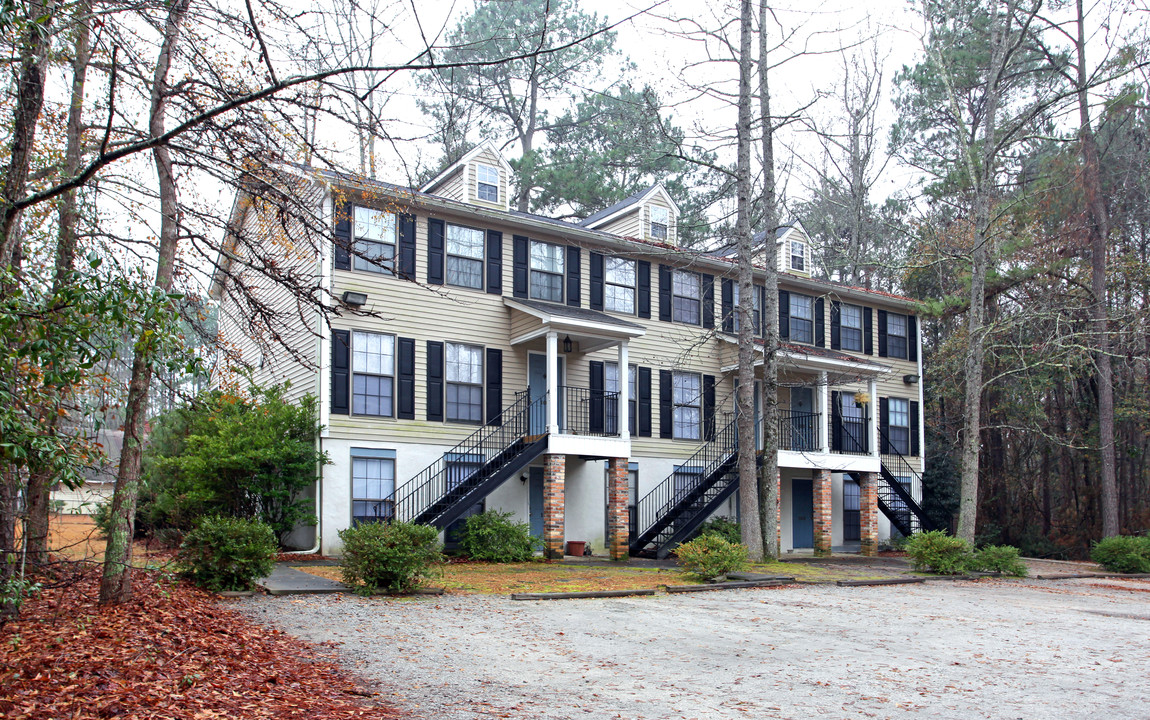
x,y
580,375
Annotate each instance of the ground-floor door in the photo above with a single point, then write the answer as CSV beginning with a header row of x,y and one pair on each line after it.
x,y
535,500
803,513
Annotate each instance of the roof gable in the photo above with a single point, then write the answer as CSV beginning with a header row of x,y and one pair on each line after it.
x,y
462,162
630,204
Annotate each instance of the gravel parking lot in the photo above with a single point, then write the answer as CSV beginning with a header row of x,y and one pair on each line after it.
x,y
989,649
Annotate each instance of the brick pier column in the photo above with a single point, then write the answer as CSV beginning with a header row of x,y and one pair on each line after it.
x,y
868,513
617,532
554,479
822,493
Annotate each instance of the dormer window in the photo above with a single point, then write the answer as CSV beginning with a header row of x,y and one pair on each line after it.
x,y
798,255
374,241
487,183
660,219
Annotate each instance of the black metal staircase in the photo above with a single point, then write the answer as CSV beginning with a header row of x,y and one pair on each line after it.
x,y
900,484
674,510
471,470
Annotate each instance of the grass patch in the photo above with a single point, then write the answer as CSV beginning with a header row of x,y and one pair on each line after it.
x,y
536,577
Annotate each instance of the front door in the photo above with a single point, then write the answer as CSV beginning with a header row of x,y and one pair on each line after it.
x,y
535,501
537,388
803,517
802,419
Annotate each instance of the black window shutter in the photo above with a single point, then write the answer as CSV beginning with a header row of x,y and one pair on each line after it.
x,y
884,425
494,262
727,299
340,371
494,386
836,325
406,262
643,402
913,419
784,315
595,421
666,422
595,302
665,293
708,301
434,380
435,251
708,407
644,269
820,324
882,333
836,422
574,277
761,329
868,332
912,339
405,361
342,244
519,266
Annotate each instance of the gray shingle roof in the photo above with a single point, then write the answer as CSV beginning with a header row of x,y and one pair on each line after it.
x,y
634,198
575,313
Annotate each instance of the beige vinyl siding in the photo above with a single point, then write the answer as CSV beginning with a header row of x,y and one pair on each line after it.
x,y
291,358
628,225
454,187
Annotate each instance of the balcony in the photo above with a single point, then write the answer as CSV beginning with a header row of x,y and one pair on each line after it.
x,y
798,431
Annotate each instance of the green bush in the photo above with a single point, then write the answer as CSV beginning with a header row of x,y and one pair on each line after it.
x,y
709,556
725,528
1124,553
998,558
938,552
493,537
225,553
389,556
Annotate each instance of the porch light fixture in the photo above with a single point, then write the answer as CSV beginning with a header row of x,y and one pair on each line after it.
x,y
355,299
910,379
567,344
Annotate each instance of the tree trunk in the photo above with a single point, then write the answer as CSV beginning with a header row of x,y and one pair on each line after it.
x,y
29,101
745,391
1098,226
769,469
116,584
40,479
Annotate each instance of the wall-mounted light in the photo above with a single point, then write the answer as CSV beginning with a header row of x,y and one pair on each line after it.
x,y
567,344
910,379
355,299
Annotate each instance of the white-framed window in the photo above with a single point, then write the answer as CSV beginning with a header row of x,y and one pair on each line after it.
x,y
547,271
487,183
895,335
611,385
898,424
619,290
851,327
685,294
464,383
802,318
372,485
660,220
373,373
465,254
854,424
373,239
687,401
756,308
798,255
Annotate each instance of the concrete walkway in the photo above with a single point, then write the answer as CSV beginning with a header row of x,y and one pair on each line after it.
x,y
286,580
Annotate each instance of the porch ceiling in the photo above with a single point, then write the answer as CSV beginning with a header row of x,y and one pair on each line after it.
x,y
593,330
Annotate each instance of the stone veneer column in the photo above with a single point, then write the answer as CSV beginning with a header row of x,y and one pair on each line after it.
x,y
822,493
617,531
868,513
554,479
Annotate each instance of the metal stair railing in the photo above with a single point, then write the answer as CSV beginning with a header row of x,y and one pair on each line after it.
x,y
686,488
469,463
896,471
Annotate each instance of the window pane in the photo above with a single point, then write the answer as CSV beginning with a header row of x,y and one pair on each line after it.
x,y
619,299
660,214
546,257
686,284
464,272
801,307
373,257
464,363
851,316
620,271
372,224
610,377
465,241
546,286
373,353
686,423
488,174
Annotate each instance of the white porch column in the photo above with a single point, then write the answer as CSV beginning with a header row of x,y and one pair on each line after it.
x,y
872,390
624,413
824,416
552,383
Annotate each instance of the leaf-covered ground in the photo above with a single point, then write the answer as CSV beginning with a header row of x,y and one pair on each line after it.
x,y
172,652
